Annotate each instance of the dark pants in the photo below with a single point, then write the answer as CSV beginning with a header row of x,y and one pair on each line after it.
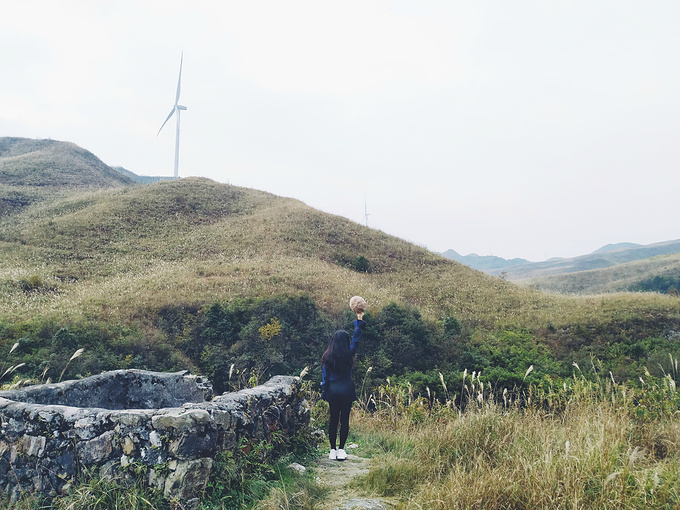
x,y
340,393
339,412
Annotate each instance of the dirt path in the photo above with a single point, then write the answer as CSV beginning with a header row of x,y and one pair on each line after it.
x,y
339,477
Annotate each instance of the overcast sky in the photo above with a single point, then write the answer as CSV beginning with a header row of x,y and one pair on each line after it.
x,y
528,129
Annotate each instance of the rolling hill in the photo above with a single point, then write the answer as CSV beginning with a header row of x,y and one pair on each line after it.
x,y
37,170
194,239
28,162
186,273
136,248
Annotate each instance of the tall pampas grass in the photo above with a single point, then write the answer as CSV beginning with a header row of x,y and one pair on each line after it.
x,y
591,451
75,355
11,369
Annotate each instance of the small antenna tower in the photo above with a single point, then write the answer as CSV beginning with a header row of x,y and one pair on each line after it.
x,y
365,212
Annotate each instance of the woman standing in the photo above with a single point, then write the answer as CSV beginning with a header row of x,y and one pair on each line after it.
x,y
337,385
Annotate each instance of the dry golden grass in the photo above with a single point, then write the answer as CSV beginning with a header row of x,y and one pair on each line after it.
x,y
591,453
123,253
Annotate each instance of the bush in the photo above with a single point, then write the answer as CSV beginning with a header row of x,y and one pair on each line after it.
x,y
262,337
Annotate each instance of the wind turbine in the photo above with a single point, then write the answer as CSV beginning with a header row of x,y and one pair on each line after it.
x,y
176,109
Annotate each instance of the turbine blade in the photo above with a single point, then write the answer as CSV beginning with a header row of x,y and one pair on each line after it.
x,y
166,120
179,81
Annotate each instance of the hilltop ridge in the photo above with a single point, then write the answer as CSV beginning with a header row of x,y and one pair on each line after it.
x,y
486,263
29,162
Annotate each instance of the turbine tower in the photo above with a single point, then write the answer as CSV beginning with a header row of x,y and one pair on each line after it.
x,y
176,109
365,211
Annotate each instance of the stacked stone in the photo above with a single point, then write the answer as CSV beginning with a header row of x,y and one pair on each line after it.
x,y
44,445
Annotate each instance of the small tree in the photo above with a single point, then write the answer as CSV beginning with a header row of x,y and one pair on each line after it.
x,y
361,264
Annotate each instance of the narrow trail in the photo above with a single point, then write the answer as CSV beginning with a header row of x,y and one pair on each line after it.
x,y
340,478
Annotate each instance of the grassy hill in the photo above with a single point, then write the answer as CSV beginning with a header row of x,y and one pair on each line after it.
x,y
28,162
199,240
37,170
192,273
135,249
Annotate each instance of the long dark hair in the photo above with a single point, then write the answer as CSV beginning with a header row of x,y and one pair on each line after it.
x,y
338,357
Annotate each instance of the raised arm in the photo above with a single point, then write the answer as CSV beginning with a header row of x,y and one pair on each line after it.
x,y
359,325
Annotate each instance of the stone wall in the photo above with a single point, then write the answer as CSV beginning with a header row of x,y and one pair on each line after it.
x,y
118,421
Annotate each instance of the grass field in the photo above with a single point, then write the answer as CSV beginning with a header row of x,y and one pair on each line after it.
x,y
591,443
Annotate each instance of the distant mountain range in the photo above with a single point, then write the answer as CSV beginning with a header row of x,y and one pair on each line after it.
x,y
660,273
612,268
486,263
616,247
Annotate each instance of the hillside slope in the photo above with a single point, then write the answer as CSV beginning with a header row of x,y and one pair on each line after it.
x,y
28,162
125,253
37,170
194,240
77,239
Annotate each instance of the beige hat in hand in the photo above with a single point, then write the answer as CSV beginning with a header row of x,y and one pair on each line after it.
x,y
357,304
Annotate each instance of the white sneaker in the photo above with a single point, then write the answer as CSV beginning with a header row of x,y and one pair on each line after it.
x,y
342,455
333,455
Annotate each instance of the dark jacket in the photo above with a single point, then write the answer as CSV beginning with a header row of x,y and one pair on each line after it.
x,y
331,375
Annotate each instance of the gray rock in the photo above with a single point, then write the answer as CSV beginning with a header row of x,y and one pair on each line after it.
x,y
298,468
96,450
364,504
